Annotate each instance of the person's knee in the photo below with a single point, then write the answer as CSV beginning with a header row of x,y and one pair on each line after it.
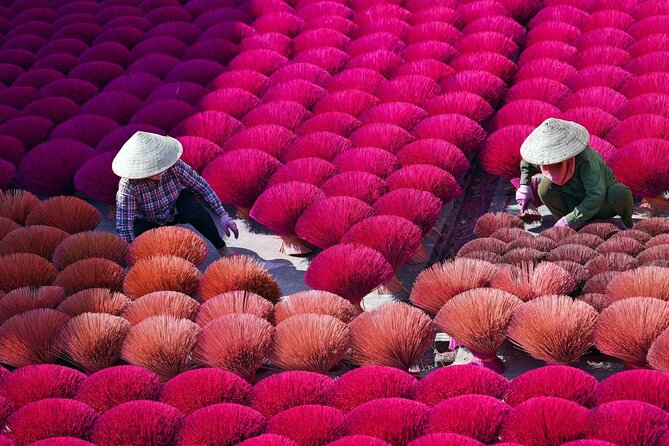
x,y
546,189
620,196
187,204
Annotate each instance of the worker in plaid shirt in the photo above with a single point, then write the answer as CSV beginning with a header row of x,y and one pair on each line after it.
x,y
158,189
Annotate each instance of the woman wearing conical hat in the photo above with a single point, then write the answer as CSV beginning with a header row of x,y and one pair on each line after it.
x,y
578,186
158,189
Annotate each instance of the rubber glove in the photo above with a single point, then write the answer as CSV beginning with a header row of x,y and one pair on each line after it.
x,y
228,224
562,223
525,195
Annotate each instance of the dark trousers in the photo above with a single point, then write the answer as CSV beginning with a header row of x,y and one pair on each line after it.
x,y
189,211
618,201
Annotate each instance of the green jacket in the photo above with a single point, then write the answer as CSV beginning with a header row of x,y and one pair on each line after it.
x,y
592,178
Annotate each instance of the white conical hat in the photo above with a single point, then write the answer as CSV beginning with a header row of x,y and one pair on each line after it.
x,y
554,141
146,154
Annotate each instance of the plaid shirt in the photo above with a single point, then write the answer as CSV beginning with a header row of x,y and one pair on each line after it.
x,y
155,201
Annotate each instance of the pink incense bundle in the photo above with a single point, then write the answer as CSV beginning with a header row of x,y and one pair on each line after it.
x,y
476,416
420,207
70,214
488,41
552,49
441,282
627,328
651,83
614,261
483,244
215,126
239,273
238,343
558,381
316,226
224,423
325,144
468,137
648,178
528,281
139,422
489,223
353,102
162,344
195,389
654,226
523,255
639,127
268,440
541,89
332,122
250,80
37,382
282,391
95,300
557,234
595,300
197,152
269,138
401,114
93,341
382,135
500,153
545,420
159,273
91,273
314,171
621,244
628,423
478,319
90,244
488,86
279,207
523,112
348,270
373,160
590,240
116,385
308,424
436,153
552,30
578,272
365,384
25,299
312,342
31,337
415,89
393,334
646,281
168,241
460,102
573,253
543,244
240,187
396,238
164,114
284,113
648,386
428,178
159,303
599,282
555,329
365,79
52,417
394,420
319,37
657,354
233,302
236,102
444,440
314,302
21,270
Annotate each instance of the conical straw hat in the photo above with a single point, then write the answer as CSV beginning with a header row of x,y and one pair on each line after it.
x,y
146,154
554,141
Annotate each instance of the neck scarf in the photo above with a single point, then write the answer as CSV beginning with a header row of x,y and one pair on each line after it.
x,y
560,173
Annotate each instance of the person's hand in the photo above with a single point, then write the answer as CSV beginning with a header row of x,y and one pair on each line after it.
x,y
228,224
524,195
562,223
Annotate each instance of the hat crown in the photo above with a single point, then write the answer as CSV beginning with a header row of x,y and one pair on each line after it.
x,y
146,154
553,141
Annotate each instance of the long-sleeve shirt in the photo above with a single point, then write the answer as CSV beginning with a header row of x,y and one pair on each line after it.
x,y
592,178
155,201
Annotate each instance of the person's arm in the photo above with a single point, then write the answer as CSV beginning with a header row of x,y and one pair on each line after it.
x,y
595,193
125,212
527,170
196,184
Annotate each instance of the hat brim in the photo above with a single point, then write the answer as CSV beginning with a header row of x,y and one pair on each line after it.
x,y
135,162
553,144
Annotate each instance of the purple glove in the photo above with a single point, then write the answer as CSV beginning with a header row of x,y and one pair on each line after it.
x,y
525,195
228,224
562,223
